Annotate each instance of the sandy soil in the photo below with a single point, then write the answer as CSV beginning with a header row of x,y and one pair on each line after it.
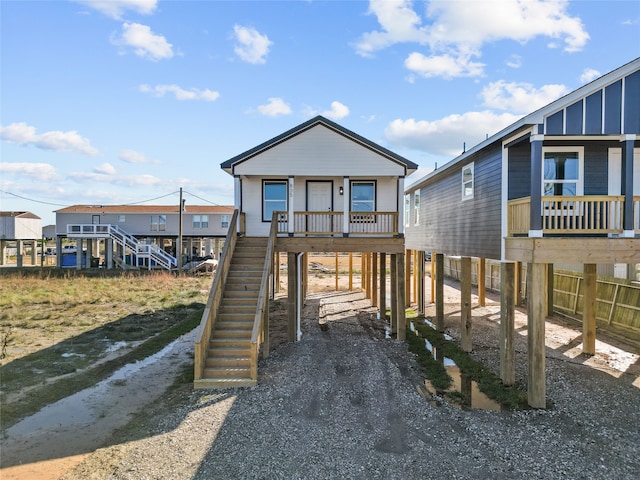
x,y
59,437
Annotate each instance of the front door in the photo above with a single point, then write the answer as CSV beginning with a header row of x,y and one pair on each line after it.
x,y
320,200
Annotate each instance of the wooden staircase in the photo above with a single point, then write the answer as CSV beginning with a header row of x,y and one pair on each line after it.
x,y
228,360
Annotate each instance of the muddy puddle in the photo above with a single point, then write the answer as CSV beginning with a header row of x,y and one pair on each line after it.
x,y
467,389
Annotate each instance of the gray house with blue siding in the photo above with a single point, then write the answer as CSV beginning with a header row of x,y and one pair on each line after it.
x,y
561,185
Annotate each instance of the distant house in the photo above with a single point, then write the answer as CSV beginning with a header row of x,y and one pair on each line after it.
x,y
20,226
148,235
561,185
21,232
317,187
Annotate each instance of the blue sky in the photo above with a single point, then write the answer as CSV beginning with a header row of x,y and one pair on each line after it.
x,y
114,102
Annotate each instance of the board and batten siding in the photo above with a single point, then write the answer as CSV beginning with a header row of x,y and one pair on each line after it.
x,y
459,227
316,151
596,165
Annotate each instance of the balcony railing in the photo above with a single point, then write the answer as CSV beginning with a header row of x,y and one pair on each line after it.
x,y
332,223
573,215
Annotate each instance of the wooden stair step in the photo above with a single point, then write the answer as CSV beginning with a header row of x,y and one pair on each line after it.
x,y
227,362
223,383
227,372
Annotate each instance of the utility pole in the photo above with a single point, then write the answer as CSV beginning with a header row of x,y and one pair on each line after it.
x,y
179,246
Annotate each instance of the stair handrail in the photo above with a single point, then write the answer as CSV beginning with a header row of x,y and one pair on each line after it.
x,y
203,332
260,332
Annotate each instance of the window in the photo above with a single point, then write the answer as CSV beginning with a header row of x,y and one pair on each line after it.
x,y
416,206
363,196
121,218
407,209
158,223
274,198
201,221
467,182
562,172
224,221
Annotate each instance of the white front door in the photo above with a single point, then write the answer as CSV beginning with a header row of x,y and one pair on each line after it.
x,y
319,199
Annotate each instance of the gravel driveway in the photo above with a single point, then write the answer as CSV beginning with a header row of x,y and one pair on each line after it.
x,y
344,404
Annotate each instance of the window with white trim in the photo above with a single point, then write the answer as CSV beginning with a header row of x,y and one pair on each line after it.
x,y
158,223
363,196
467,182
224,221
274,198
121,218
562,171
407,210
201,221
416,206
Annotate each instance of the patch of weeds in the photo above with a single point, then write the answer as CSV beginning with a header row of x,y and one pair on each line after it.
x,y
512,397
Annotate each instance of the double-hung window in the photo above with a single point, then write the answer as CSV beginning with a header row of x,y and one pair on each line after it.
x,y
224,221
158,223
363,196
274,198
201,221
562,171
467,181
416,206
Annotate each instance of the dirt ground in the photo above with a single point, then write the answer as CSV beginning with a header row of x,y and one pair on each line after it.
x,y
61,436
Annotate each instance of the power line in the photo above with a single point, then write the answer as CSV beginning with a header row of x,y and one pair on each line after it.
x,y
33,200
203,199
152,199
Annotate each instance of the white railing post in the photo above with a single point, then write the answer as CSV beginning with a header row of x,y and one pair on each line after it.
x,y
346,206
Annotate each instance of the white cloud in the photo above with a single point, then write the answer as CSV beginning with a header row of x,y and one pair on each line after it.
x,y
520,20
105,169
274,108
252,46
116,8
447,135
180,93
56,141
399,22
514,61
337,111
519,96
131,156
144,42
128,181
446,66
588,75
41,172
458,31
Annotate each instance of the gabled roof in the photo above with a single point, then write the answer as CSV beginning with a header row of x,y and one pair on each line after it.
x,y
20,215
142,209
229,165
535,118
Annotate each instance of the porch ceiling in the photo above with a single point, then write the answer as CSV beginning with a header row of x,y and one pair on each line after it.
x,y
573,250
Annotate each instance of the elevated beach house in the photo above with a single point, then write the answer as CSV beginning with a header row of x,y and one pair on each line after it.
x,y
561,185
142,236
315,188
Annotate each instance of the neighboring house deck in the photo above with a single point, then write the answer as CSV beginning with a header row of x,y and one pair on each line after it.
x,y
140,236
561,185
315,188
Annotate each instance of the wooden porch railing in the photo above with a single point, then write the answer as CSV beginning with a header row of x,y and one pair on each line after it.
x,y
594,214
260,332
205,328
331,223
